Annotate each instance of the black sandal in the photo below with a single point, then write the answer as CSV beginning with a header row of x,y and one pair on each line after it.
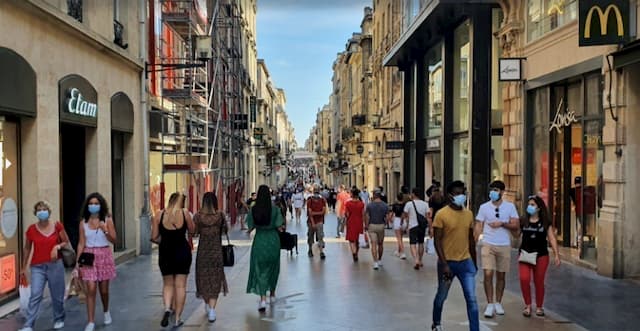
x,y
165,318
526,312
540,312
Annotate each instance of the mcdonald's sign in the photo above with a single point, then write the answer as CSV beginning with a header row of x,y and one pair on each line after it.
x,y
603,22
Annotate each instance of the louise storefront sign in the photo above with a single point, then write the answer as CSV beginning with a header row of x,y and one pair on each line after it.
x,y
78,101
562,119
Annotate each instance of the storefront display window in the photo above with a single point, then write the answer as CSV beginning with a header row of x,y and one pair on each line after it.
x,y
544,16
435,93
461,160
461,70
10,231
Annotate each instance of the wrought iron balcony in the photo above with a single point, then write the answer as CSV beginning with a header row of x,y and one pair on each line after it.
x,y
74,9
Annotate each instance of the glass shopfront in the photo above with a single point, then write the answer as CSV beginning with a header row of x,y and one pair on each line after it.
x,y
566,158
9,207
461,102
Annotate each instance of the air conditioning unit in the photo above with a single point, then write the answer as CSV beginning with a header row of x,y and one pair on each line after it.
x,y
203,48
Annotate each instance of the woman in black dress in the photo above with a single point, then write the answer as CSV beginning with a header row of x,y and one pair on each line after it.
x,y
174,255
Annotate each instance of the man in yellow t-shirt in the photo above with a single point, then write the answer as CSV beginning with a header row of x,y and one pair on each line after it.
x,y
455,245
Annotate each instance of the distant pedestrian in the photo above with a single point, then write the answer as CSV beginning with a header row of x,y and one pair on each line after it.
x,y
376,217
332,199
456,248
97,234
537,234
264,267
495,220
437,201
174,255
416,232
354,213
243,209
316,210
298,203
364,195
45,239
342,198
399,225
210,224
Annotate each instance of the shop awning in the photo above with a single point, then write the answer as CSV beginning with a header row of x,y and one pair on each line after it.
x,y
628,55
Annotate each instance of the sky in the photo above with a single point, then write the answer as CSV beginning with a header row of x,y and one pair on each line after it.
x,y
299,40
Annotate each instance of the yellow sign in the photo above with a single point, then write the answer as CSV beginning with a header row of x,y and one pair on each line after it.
x,y
604,17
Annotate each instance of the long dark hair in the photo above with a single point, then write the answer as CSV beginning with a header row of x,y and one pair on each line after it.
x,y
209,203
355,193
104,208
261,210
543,213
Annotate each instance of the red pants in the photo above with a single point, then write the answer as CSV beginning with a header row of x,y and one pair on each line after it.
x,y
539,270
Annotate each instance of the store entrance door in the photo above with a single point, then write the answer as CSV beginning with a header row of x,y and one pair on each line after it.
x,y
72,177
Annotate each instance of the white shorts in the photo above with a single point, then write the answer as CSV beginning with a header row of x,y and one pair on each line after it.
x,y
397,224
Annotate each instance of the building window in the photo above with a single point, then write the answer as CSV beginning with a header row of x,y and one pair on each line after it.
x,y
434,91
544,16
461,160
497,105
74,9
461,70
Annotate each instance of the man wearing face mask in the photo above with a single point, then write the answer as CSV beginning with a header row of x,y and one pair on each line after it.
x,y
495,219
455,246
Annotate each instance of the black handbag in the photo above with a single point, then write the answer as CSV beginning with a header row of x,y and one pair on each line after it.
x,y
228,256
422,221
86,259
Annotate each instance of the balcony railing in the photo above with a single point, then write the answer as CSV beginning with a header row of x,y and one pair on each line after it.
x,y
74,9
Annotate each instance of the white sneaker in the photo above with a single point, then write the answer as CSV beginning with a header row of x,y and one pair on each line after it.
x,y
26,328
380,263
262,306
437,328
206,308
396,254
211,315
376,266
489,312
272,299
58,325
90,327
403,256
499,308
107,318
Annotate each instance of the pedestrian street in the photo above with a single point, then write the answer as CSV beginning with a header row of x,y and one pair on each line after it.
x,y
312,294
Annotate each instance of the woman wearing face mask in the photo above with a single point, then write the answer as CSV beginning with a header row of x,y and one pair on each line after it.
x,y
537,234
97,234
45,239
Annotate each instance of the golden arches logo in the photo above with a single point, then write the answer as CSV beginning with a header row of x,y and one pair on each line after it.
x,y
604,18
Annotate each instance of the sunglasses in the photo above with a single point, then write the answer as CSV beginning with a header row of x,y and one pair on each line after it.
x,y
497,212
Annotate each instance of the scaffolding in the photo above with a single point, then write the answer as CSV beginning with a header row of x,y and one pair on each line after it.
x,y
201,97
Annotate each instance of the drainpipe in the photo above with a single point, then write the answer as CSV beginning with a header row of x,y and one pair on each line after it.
x,y
145,215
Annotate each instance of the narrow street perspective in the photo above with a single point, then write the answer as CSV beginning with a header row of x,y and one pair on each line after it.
x,y
319,165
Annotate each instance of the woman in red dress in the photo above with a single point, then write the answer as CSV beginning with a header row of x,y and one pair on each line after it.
x,y
354,211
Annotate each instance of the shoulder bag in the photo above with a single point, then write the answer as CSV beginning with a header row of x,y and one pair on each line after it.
x,y
67,253
228,256
422,221
529,258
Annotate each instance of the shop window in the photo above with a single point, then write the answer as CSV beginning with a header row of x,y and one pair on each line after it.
x,y
9,206
435,91
497,104
544,16
461,70
461,160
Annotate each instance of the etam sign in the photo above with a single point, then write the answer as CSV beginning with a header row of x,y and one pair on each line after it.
x,y
76,104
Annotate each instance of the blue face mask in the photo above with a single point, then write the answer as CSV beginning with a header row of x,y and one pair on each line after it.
x,y
42,215
94,209
460,200
494,196
532,210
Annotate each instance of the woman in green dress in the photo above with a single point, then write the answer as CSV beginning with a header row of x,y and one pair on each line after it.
x,y
265,251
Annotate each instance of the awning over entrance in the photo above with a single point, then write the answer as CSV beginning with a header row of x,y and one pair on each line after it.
x,y
17,84
628,55
121,113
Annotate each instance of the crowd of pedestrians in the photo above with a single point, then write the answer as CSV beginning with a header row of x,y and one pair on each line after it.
x,y
442,217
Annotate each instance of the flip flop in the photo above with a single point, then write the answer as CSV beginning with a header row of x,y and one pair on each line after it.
x,y
540,312
526,312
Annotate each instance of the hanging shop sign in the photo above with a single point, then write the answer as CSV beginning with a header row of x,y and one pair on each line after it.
x,y
603,22
78,101
562,119
394,145
510,69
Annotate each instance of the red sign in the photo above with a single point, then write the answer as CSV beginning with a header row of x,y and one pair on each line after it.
x,y
7,273
576,155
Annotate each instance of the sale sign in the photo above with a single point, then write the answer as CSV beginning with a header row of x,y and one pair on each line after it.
x,y
7,273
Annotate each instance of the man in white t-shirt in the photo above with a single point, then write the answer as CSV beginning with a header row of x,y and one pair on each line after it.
x,y
416,232
495,219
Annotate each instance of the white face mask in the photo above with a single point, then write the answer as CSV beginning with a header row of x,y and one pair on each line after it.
x,y
273,198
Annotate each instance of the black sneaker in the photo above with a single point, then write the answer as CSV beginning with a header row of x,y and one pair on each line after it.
x,y
310,253
165,318
322,256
